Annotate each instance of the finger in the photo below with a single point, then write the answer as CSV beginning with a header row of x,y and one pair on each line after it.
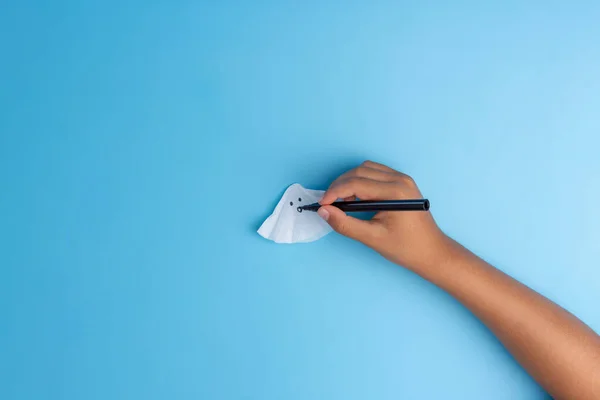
x,y
364,189
366,172
366,232
380,167
398,176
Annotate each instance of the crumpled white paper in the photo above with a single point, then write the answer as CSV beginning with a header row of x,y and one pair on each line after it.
x,y
288,225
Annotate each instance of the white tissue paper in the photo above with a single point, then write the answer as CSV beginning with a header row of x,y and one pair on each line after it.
x,y
288,225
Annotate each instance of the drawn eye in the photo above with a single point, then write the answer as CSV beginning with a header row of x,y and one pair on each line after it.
x,y
291,203
299,209
299,199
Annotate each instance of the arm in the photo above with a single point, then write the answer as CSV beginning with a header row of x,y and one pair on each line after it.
x,y
557,349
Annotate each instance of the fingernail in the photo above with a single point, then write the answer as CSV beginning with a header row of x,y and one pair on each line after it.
x,y
323,213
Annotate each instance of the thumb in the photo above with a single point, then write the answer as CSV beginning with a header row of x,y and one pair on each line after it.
x,y
363,231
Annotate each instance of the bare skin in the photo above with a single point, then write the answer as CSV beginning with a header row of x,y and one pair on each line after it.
x,y
557,349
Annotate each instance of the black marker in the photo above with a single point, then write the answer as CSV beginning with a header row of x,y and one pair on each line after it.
x,y
374,205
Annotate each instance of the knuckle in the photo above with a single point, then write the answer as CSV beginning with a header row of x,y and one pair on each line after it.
x,y
359,172
335,185
407,180
398,191
352,181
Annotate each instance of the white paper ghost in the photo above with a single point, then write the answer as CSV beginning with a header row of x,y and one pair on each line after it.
x,y
288,225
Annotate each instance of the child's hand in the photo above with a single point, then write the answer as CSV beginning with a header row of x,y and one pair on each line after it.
x,y
557,349
409,238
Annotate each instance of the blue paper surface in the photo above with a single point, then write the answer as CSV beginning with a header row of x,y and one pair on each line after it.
x,y
143,143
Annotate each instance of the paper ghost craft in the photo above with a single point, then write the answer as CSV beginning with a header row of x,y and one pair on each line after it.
x,y
288,225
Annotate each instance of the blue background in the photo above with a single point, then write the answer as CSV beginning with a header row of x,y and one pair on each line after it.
x,y
143,143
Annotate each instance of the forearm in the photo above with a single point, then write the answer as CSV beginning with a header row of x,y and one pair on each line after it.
x,y
556,348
